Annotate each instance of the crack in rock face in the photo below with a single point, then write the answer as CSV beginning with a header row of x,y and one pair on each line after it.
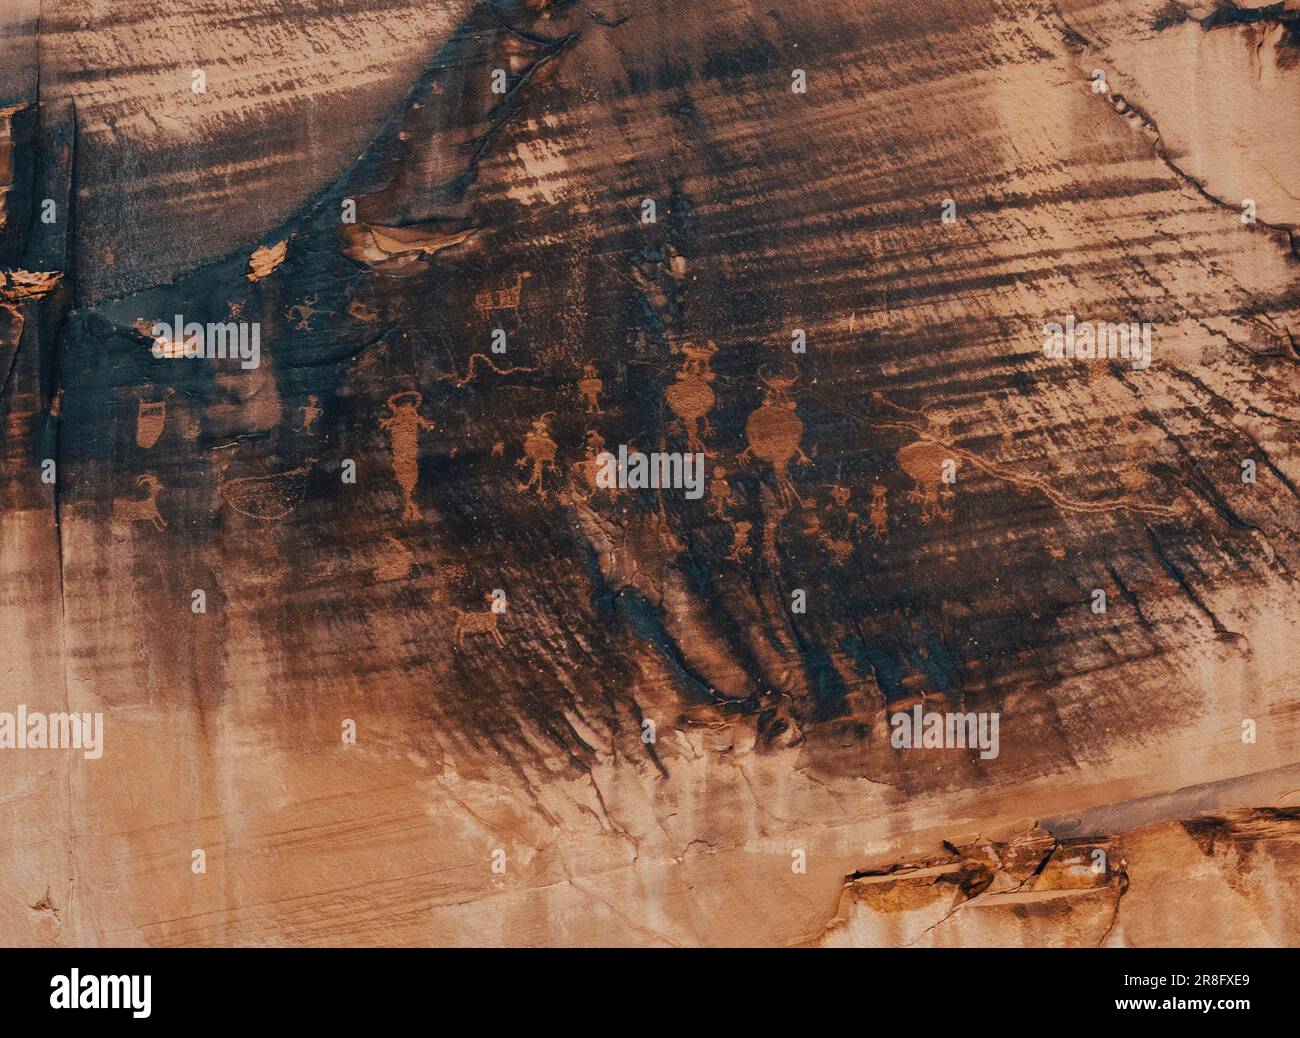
x,y
949,349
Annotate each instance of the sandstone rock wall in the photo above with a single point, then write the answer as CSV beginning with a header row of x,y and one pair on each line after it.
x,y
649,743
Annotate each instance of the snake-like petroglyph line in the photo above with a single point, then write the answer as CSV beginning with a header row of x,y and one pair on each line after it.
x,y
1016,479
470,374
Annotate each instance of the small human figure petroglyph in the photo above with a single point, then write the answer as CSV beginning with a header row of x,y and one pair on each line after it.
x,y
721,496
539,449
740,543
310,412
591,386
879,510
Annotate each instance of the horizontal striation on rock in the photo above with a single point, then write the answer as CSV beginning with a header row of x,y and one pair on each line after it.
x,y
649,703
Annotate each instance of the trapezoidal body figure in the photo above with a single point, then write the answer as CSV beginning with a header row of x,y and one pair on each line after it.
x,y
404,426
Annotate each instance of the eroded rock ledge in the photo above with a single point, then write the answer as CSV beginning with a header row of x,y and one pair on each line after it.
x,y
1025,887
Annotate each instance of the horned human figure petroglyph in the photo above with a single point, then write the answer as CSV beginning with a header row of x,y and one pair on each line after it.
x,y
690,396
404,426
774,432
141,509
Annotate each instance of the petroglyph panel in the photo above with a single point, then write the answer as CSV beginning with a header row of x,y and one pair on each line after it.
x,y
652,473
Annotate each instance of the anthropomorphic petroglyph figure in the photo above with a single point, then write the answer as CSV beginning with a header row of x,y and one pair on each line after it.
x,y
774,432
591,386
841,496
879,510
740,542
539,449
721,496
477,623
301,313
690,396
506,299
141,509
588,468
404,426
923,462
310,412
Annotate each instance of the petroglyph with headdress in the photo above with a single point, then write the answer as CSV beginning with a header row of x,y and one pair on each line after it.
x,y
404,426
591,386
539,449
691,397
774,432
